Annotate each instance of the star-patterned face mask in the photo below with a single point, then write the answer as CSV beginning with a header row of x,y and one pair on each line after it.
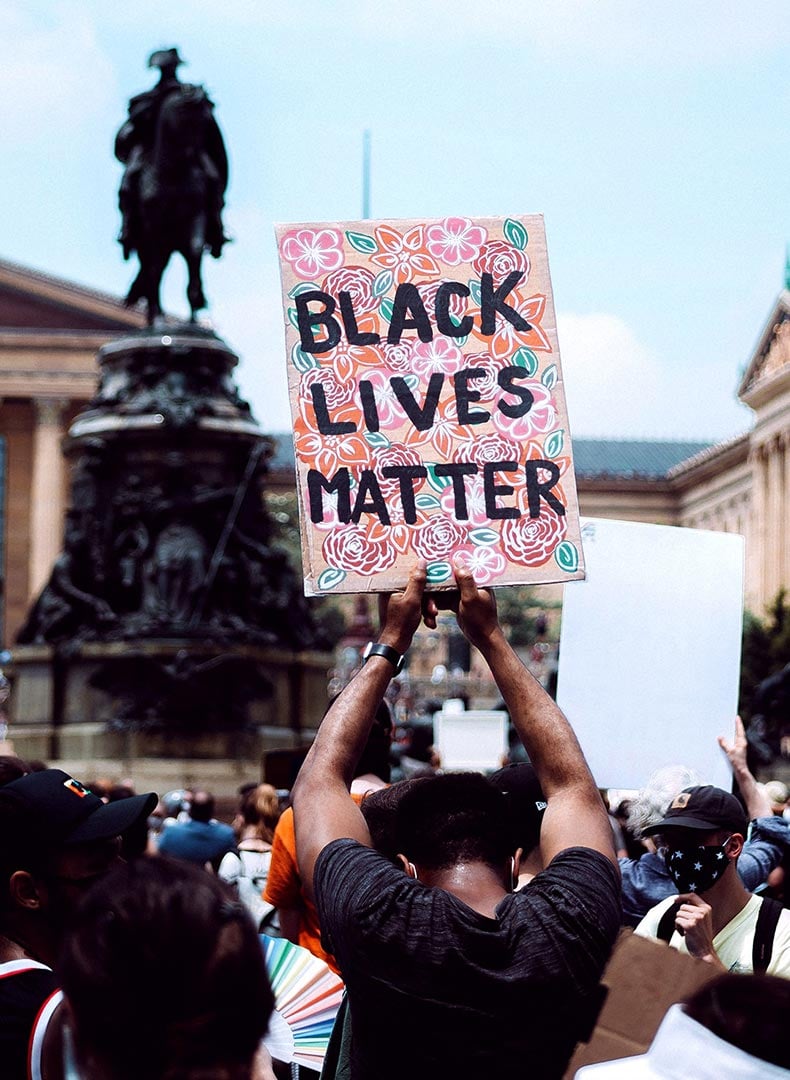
x,y
696,869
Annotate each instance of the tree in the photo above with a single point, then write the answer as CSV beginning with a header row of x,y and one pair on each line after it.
x,y
765,676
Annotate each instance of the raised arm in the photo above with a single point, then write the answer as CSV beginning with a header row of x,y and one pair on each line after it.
x,y
758,805
575,815
323,808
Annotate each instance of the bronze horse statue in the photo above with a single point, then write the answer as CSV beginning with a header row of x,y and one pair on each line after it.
x,y
173,188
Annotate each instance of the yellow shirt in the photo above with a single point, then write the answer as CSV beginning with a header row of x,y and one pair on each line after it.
x,y
733,943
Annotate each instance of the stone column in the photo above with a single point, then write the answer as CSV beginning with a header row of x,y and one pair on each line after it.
x,y
756,545
774,518
46,491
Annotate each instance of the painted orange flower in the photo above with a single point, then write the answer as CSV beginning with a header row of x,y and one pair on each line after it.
x,y
403,253
507,339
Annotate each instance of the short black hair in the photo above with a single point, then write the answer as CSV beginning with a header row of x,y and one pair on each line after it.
x,y
162,924
452,818
748,1011
380,809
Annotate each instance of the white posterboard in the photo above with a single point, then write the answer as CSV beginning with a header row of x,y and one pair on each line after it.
x,y
650,650
472,740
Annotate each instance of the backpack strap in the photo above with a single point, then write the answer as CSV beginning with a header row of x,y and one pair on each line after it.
x,y
666,924
763,943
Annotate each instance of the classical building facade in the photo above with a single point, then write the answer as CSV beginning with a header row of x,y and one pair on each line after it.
x,y
51,329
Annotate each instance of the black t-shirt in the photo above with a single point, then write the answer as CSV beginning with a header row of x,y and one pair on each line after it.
x,y
437,990
22,996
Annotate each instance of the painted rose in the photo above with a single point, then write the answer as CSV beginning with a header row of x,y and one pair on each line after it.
x,y
485,564
313,252
486,384
500,259
397,357
357,281
438,537
531,541
490,448
337,392
394,455
403,253
457,306
540,420
437,355
455,240
352,549
398,533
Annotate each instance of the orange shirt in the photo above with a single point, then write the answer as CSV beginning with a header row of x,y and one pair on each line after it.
x,y
284,886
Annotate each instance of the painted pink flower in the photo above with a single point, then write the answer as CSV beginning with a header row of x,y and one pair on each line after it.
x,y
357,281
313,252
350,548
474,491
485,563
388,409
455,240
403,253
438,537
500,259
540,419
490,448
531,541
437,355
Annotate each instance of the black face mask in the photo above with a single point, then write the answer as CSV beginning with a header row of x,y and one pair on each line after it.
x,y
696,869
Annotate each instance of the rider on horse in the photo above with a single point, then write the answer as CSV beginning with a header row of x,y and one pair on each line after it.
x,y
134,146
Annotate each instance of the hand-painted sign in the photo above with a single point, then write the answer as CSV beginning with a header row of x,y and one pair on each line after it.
x,y
427,400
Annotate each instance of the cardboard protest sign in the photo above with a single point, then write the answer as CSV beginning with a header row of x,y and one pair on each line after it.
x,y
427,401
650,647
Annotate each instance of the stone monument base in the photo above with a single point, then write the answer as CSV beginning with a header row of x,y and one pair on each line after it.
x,y
59,714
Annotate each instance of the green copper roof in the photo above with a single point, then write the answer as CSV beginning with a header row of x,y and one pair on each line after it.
x,y
631,457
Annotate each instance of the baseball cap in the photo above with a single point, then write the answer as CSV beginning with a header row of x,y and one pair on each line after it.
x,y
705,808
526,801
59,810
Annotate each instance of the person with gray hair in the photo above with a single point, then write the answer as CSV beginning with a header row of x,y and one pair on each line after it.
x,y
646,880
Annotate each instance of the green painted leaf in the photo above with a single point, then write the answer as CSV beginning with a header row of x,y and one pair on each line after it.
x,y
484,537
427,502
438,483
525,358
550,376
412,380
439,572
292,317
387,308
461,341
553,444
375,438
303,286
330,578
474,291
362,242
567,557
382,282
516,234
301,360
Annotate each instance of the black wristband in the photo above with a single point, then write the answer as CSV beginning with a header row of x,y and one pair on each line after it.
x,y
374,648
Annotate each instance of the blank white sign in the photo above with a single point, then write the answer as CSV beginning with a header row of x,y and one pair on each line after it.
x,y
650,650
471,740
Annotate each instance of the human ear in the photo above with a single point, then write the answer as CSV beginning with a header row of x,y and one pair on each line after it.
x,y
735,845
25,890
408,867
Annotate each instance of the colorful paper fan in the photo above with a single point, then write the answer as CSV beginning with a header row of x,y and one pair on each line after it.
x,y
307,995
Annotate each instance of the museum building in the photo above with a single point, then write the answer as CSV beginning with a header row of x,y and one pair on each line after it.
x,y
51,330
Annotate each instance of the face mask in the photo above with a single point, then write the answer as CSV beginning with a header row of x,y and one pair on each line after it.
x,y
696,869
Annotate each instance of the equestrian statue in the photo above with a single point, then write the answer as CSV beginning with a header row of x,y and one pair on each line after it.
x,y
173,187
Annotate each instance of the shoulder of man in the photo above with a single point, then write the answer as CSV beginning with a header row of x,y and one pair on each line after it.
x,y
648,927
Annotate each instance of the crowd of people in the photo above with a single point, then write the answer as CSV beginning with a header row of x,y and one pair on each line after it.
x,y
473,914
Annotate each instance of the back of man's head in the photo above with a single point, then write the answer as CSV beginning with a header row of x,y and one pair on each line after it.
x,y
748,1011
202,806
454,818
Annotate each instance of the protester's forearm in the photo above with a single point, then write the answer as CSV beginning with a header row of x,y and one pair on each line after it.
x,y
344,730
758,805
541,725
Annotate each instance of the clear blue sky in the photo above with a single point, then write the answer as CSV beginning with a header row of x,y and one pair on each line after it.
x,y
653,137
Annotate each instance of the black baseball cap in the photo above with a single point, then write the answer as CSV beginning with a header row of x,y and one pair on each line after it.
x,y
60,811
705,808
526,801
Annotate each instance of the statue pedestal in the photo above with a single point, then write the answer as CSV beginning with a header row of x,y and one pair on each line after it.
x,y
61,716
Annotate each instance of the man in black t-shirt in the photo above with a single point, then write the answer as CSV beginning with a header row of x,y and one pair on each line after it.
x,y
56,839
449,972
